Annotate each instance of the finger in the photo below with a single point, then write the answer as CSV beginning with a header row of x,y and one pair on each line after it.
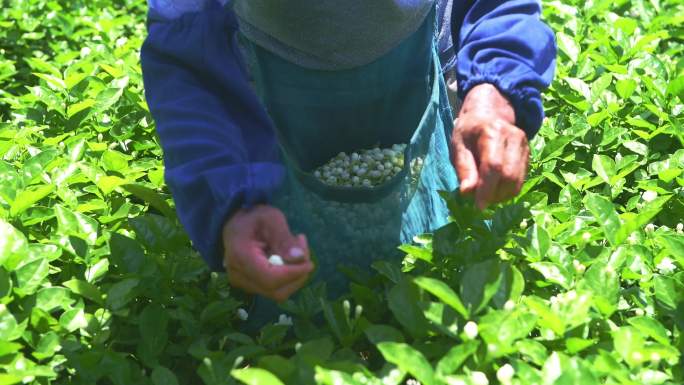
x,y
240,281
465,165
274,230
299,253
283,293
271,277
491,165
514,164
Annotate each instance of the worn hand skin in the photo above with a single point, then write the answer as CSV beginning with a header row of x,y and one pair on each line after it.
x,y
250,236
490,154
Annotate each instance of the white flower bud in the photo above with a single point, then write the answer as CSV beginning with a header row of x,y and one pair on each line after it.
x,y
242,314
470,330
649,228
579,267
655,357
479,378
523,224
509,305
284,320
505,373
347,307
680,227
586,236
358,310
649,196
276,260
639,312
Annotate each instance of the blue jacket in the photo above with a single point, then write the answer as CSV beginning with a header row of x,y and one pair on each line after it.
x,y
220,149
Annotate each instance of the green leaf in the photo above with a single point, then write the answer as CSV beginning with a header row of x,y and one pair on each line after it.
x,y
113,160
408,359
28,197
604,212
403,302
625,87
442,291
31,276
553,272
603,281
334,377
121,293
604,167
668,291
500,329
73,319
153,323
163,376
9,328
50,298
47,347
456,356
540,241
96,271
74,223
650,327
568,45
480,283
12,243
152,197
383,333
255,376
676,88
417,252
85,289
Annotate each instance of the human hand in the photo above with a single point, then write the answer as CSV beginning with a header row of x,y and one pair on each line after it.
x,y
250,236
490,154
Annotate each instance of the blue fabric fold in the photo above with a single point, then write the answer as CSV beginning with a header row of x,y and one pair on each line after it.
x,y
506,44
220,149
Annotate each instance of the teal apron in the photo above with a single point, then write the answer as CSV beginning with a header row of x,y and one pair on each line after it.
x,y
399,98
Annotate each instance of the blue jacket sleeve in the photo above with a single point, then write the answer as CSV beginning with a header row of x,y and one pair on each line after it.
x,y
220,149
504,42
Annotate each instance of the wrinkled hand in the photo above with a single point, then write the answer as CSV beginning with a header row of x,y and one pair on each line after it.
x,y
490,154
250,236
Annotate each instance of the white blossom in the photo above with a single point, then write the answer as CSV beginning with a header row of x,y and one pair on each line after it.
x,y
470,330
284,320
505,373
479,378
276,260
649,196
242,314
666,266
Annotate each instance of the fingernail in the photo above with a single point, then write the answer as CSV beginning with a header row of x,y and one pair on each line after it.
x,y
296,252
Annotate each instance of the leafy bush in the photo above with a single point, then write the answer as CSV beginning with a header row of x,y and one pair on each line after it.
x,y
577,281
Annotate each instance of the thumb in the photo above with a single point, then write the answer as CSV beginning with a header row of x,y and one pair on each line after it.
x,y
466,168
